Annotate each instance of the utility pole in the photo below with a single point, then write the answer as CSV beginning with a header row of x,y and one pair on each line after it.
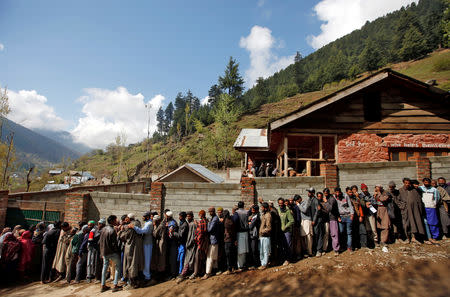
x,y
148,107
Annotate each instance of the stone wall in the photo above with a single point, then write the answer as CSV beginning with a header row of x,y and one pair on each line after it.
x,y
104,204
196,196
375,173
440,166
271,188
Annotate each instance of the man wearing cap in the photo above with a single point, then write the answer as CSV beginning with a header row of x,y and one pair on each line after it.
x,y
330,204
383,197
147,231
431,199
369,208
213,248
306,229
181,235
93,258
201,240
172,243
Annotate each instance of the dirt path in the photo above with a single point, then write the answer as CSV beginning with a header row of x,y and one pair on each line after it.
x,y
406,270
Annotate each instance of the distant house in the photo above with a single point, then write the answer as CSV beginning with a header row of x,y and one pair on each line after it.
x,y
191,173
78,177
53,187
56,171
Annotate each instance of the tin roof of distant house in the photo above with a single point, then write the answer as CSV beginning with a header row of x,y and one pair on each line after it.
x,y
199,170
252,139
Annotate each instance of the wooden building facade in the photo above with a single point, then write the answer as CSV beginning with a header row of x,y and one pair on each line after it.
x,y
384,117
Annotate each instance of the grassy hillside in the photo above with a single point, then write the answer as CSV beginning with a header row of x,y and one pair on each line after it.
x,y
168,156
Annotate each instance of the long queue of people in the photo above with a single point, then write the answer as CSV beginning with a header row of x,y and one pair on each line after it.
x,y
134,254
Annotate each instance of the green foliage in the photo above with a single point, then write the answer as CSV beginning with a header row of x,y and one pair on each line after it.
x,y
442,64
406,34
232,82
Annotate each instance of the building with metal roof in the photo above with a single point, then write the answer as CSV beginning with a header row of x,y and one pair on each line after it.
x,y
191,173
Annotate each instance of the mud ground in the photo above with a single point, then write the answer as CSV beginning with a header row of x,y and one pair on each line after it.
x,y
406,270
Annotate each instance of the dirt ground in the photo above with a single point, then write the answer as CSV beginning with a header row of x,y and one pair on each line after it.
x,y
406,270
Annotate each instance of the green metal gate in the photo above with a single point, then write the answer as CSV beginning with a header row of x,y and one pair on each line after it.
x,y
29,217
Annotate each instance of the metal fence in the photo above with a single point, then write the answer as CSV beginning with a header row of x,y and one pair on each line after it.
x,y
28,213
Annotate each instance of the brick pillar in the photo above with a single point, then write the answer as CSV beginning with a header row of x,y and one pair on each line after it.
x,y
157,192
330,172
248,191
75,208
3,207
423,167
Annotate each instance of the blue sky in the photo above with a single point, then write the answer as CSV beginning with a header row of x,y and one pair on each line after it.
x,y
64,61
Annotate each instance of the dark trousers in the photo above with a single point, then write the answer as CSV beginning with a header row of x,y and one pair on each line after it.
x,y
360,233
286,245
230,255
81,267
319,231
200,262
172,254
47,260
71,268
254,245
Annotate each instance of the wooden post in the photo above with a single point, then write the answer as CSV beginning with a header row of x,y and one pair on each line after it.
x,y
43,211
285,156
320,148
308,168
245,161
336,149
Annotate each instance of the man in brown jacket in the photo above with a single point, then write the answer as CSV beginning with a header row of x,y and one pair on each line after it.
x,y
264,235
383,197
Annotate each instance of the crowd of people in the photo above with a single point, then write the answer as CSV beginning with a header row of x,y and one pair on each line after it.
x,y
136,254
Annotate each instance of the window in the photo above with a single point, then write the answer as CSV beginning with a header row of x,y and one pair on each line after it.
x,y
372,107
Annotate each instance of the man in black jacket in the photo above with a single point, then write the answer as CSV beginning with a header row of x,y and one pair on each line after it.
x,y
49,243
109,250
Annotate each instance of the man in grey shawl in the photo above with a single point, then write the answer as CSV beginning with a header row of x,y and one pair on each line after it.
x,y
133,255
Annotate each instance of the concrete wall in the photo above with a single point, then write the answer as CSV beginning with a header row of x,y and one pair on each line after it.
x,y
103,204
197,196
440,166
375,173
271,188
60,195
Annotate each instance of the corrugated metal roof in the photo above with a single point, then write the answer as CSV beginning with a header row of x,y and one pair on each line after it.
x,y
52,187
206,173
256,138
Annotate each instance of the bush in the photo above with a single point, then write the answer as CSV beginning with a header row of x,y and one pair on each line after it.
x,y
442,64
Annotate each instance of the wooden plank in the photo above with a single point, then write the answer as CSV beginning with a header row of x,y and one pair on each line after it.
x,y
351,119
336,148
285,156
403,105
418,119
342,94
308,168
413,112
408,126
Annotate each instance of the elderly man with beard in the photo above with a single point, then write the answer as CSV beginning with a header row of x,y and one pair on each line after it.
x,y
147,233
383,197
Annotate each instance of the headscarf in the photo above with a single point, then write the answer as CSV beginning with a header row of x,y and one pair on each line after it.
x,y
27,249
11,247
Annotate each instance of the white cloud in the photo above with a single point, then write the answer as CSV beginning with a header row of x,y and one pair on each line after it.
x,y
205,100
261,3
108,113
341,17
263,61
31,110
2,47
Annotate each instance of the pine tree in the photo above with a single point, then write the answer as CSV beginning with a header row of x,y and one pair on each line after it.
x,y
232,81
298,57
370,58
160,120
413,45
214,95
168,117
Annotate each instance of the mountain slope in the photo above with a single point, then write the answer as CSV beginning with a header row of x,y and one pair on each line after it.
x,y
64,138
33,148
